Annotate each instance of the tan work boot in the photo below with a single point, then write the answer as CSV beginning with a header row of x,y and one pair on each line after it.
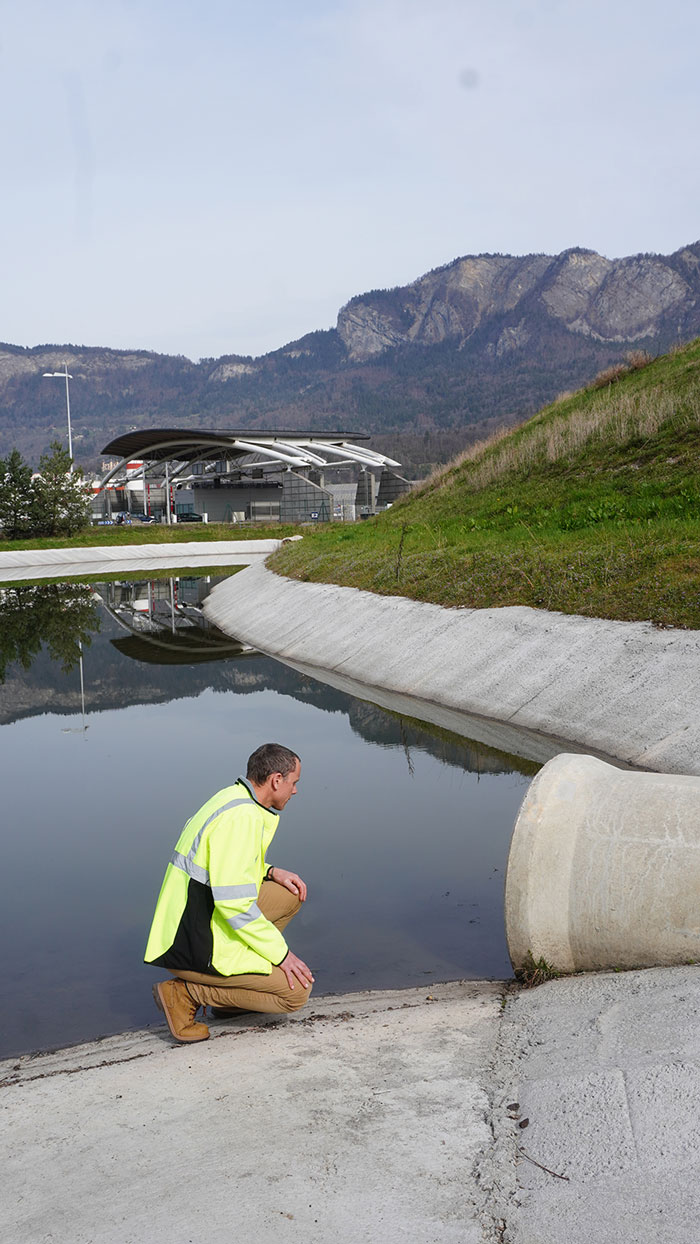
x,y
173,999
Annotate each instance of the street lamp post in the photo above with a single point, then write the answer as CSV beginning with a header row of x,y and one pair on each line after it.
x,y
65,374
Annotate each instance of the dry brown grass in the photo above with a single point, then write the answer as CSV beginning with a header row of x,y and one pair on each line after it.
x,y
634,361
619,418
439,474
609,375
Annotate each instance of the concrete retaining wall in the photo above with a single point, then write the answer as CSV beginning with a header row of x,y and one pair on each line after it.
x,y
604,868
625,690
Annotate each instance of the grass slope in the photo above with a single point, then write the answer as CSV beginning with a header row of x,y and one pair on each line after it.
x,y
591,507
150,533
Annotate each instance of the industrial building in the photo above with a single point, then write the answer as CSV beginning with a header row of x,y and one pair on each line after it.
x,y
245,476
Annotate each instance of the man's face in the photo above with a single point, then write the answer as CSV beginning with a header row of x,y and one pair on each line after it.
x,y
283,787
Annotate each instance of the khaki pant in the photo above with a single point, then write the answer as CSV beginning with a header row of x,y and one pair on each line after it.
x,y
254,992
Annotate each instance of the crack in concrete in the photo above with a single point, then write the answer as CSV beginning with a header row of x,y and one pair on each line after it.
x,y
19,1080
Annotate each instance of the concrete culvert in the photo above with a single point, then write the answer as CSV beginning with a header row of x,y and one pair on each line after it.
x,y
604,869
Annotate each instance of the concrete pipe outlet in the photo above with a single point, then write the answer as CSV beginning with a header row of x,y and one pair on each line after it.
x,y
604,869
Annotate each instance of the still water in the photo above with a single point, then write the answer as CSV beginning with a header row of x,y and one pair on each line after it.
x,y
122,711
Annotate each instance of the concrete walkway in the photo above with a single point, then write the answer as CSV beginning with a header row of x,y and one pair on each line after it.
x,y
606,1068
359,1121
50,563
374,1117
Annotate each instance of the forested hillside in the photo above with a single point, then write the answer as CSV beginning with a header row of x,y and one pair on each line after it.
x,y
484,341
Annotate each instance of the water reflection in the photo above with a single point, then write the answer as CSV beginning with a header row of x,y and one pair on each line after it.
x,y
59,617
166,623
400,829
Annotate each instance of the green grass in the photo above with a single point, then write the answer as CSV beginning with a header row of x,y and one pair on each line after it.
x,y
591,507
131,576
534,972
155,533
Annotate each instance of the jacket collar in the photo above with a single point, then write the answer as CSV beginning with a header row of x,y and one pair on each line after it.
x,y
244,782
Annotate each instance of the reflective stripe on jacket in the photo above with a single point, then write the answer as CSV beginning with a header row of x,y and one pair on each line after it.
x,y
207,917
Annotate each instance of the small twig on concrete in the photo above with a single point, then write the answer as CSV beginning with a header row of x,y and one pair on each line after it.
x,y
543,1168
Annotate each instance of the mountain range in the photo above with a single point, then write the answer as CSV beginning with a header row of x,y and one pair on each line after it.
x,y
426,367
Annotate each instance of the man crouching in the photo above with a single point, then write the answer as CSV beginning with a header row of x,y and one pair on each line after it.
x,y
222,907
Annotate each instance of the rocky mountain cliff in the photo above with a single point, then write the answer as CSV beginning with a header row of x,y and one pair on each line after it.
x,y
607,301
484,340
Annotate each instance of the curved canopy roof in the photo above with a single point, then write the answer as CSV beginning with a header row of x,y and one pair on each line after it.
x,y
290,449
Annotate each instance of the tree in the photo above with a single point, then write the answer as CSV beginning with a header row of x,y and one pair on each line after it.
x,y
58,616
61,502
16,495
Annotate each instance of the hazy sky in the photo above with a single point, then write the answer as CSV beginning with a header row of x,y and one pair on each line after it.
x,y
220,177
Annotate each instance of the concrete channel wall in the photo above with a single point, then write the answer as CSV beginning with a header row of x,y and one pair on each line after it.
x,y
625,690
518,679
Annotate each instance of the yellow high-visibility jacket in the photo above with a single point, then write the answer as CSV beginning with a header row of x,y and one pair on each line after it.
x,y
207,918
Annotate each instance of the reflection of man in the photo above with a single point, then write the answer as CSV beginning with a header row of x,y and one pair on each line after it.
x,y
222,908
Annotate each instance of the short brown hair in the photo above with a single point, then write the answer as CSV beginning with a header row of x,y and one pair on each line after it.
x,y
268,759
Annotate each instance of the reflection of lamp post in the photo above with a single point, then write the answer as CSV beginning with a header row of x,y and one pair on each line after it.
x,y
68,377
84,728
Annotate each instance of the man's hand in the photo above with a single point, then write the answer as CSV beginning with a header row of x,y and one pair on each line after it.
x,y
295,969
290,880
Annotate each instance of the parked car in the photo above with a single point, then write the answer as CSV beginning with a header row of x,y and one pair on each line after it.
x,y
138,516
190,517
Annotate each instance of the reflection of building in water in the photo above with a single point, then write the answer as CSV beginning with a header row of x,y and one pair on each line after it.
x,y
166,623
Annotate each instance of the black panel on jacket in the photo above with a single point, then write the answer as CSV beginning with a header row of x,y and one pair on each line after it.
x,y
193,943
